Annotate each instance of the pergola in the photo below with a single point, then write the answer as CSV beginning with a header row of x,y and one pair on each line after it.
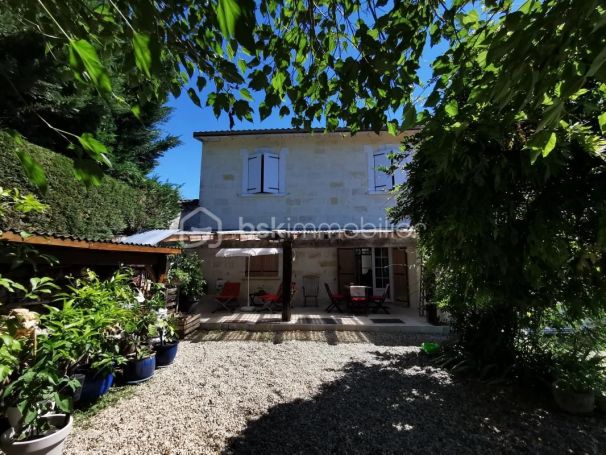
x,y
287,240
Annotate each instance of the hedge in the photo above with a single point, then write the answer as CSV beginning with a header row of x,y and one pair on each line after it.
x,y
111,208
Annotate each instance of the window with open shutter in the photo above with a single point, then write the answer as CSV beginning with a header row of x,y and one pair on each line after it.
x,y
382,180
254,165
263,172
379,180
271,172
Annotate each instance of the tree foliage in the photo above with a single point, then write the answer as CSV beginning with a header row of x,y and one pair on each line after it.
x,y
39,90
111,208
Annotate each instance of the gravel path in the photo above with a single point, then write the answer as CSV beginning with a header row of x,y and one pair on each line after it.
x,y
324,397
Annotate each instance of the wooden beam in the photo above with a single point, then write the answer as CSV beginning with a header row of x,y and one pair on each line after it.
x,y
47,240
287,279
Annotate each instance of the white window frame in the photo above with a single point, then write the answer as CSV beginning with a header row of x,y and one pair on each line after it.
x,y
397,178
246,154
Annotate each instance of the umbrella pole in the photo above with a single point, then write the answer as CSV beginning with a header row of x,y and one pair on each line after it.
x,y
248,282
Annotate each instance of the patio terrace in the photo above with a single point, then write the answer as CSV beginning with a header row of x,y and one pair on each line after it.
x,y
402,320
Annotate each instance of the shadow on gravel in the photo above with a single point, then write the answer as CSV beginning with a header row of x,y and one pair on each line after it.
x,y
402,404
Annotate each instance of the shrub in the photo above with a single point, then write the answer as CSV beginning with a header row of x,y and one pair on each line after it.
x,y
113,207
185,271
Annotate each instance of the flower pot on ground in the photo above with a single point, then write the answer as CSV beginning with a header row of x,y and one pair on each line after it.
x,y
165,353
96,384
572,401
49,443
166,347
140,369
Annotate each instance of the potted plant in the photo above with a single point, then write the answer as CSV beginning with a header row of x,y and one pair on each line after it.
x,y
83,334
578,367
185,272
167,343
577,383
42,419
139,330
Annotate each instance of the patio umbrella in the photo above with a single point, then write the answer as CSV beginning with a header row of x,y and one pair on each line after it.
x,y
247,252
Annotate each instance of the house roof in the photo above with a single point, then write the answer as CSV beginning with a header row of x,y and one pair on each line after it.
x,y
152,237
71,241
269,131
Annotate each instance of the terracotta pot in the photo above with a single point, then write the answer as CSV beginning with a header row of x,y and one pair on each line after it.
x,y
51,444
573,402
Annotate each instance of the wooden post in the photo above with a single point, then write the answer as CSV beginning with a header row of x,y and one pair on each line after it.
x,y
286,278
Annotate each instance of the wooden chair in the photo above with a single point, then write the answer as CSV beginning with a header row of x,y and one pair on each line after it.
x,y
377,302
310,288
335,300
228,297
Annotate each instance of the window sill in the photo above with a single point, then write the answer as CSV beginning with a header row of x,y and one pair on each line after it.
x,y
379,192
262,194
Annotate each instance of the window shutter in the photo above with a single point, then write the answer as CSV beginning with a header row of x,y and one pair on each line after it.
x,y
382,181
401,175
271,173
254,174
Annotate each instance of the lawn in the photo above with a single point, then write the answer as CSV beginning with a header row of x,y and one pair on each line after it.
x,y
280,393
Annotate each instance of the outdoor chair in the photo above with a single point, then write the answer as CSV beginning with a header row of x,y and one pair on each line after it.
x,y
273,302
378,301
228,297
335,300
311,288
358,300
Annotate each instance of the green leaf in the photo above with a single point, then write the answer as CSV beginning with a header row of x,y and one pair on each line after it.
x,y
451,108
194,96
392,127
542,143
81,51
246,94
143,55
237,19
200,83
242,66
95,149
228,12
136,110
32,169
602,122
410,116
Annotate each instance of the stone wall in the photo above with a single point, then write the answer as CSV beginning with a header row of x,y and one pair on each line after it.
x,y
326,181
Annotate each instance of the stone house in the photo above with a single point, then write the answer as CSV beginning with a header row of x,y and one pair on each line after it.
x,y
326,191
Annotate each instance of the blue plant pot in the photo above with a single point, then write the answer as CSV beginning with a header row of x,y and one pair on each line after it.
x,y
95,385
139,370
165,354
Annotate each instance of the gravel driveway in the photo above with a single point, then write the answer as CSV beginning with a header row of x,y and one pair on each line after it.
x,y
325,396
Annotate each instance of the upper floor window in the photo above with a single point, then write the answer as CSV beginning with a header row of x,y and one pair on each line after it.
x,y
263,172
380,181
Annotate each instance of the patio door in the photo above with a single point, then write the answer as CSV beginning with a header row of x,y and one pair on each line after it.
x,y
380,259
400,292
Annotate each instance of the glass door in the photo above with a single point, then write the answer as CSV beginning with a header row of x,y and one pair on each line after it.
x,y
381,270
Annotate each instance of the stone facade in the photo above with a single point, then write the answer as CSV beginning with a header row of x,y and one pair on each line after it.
x,y
324,184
